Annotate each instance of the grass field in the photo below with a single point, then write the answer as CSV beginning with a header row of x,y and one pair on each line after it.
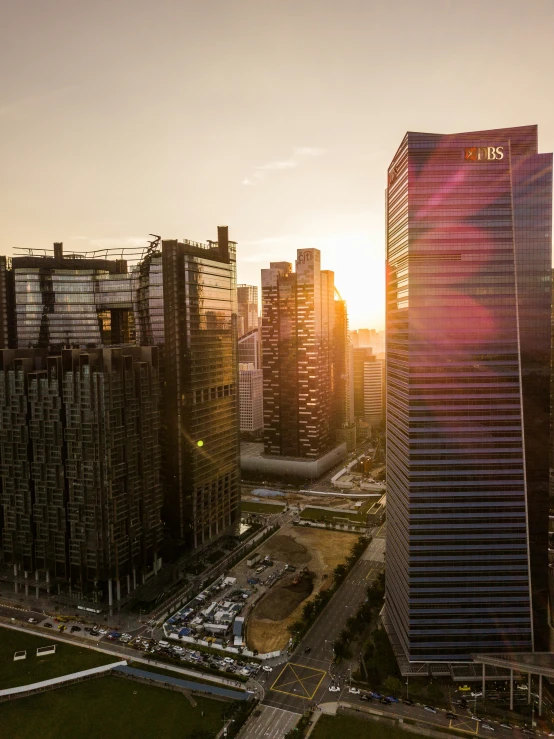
x,y
248,506
34,669
338,727
110,707
338,516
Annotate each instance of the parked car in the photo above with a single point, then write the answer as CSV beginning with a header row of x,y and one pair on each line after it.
x,y
451,715
408,702
33,620
48,626
365,697
334,689
506,726
430,708
163,643
354,691
375,694
75,628
488,727
392,699
267,668
385,701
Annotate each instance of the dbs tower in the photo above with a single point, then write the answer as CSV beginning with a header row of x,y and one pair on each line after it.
x,y
469,240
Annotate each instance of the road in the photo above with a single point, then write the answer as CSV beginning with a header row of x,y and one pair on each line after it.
x,y
305,678
438,719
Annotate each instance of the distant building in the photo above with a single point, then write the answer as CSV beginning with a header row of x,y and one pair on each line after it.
x,y
247,300
80,469
250,348
251,383
343,411
298,357
373,392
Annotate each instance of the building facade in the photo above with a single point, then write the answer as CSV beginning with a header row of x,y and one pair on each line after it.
x,y
468,362
80,468
298,318
186,304
247,303
251,397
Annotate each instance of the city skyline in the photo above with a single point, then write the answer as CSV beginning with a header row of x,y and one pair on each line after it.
x,y
116,121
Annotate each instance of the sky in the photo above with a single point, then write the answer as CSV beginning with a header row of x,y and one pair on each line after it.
x,y
278,118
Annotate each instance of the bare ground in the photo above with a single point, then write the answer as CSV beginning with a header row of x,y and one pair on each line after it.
x,y
321,551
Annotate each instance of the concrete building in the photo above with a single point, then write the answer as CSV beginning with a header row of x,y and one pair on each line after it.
x,y
298,361
469,231
80,469
248,311
251,384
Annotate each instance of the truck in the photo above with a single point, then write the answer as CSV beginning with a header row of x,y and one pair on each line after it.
x,y
253,560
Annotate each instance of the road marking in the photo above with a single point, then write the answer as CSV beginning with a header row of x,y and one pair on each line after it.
x,y
299,680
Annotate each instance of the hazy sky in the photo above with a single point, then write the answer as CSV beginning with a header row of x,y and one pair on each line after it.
x,y
276,117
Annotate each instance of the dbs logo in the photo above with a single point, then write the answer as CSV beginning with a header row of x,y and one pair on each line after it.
x,y
483,153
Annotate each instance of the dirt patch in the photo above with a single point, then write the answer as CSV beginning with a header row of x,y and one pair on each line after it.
x,y
282,600
322,551
286,549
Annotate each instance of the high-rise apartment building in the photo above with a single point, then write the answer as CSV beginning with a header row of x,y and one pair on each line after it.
x,y
187,305
80,468
250,348
373,392
251,396
247,302
298,357
469,228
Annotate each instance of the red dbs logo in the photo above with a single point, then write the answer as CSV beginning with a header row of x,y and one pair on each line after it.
x,y
483,153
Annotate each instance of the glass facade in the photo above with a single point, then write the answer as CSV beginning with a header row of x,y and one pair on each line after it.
x,y
468,357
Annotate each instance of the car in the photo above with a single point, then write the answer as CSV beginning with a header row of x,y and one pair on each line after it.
x,y
464,688
334,689
385,701
354,691
48,625
407,702
94,632
506,726
163,643
33,620
527,731
307,650
376,695
229,660
75,628
392,699
451,715
478,694
267,668
475,718
365,697
430,708
488,727
103,632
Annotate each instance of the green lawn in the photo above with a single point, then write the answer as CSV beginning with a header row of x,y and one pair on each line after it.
x,y
248,506
34,669
110,707
338,727
316,514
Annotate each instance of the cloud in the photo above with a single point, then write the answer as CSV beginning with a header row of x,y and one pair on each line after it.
x,y
279,165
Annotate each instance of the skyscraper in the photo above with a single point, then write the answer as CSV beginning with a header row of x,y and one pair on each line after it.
x,y
80,468
468,358
187,305
247,301
298,360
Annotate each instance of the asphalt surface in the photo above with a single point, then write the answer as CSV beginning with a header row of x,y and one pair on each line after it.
x,y
269,723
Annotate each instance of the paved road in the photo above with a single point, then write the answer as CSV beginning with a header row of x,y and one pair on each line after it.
x,y
305,678
269,722
438,719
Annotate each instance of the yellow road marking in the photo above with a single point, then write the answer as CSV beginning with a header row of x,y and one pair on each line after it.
x,y
299,681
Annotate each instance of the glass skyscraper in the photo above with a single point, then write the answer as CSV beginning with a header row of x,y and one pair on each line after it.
x,y
469,230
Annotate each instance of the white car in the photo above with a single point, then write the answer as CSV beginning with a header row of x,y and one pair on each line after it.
x,y
477,695
229,660
334,689
163,643
354,691
103,631
267,668
487,726
33,620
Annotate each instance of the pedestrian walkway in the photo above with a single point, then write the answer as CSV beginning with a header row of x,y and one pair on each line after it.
x,y
58,681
